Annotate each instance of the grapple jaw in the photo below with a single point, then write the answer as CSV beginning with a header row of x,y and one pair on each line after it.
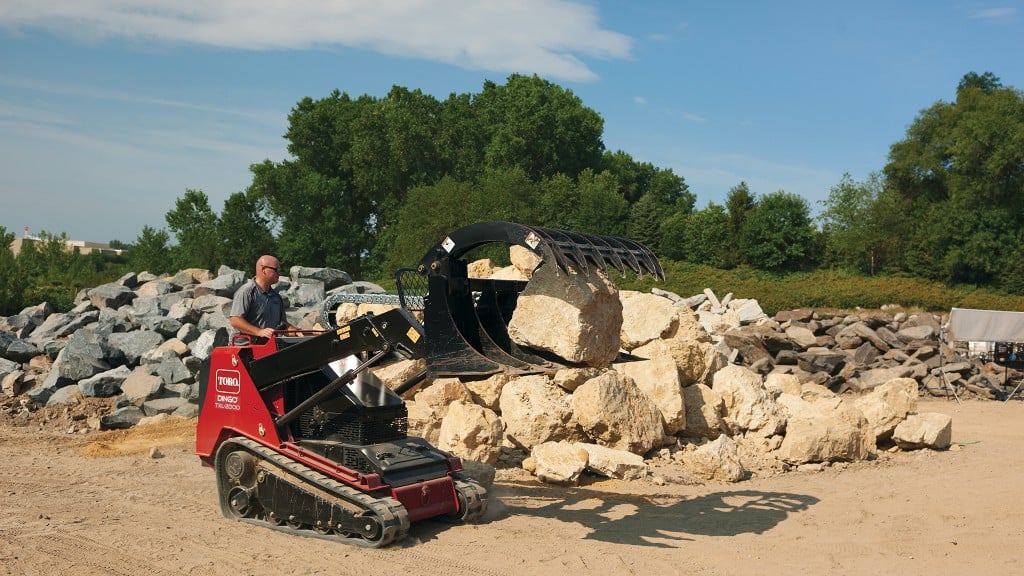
x,y
466,319
572,252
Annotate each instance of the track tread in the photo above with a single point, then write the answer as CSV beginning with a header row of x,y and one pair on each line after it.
x,y
394,518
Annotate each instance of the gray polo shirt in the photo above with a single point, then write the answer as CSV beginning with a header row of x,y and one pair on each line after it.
x,y
262,309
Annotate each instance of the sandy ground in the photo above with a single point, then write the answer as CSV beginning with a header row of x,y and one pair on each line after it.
x,y
98,503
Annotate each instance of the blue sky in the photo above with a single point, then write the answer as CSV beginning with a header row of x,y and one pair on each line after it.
x,y
111,109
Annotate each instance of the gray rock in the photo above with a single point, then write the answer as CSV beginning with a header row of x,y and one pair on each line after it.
x,y
165,327
112,295
163,405
330,277
225,284
132,345
306,293
140,386
149,306
104,384
65,395
820,360
61,324
188,333
187,410
121,418
155,287
8,366
129,280
173,371
915,333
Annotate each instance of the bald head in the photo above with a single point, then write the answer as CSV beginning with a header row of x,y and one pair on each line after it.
x,y
268,270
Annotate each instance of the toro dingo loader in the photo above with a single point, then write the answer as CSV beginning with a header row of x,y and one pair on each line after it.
x,y
303,438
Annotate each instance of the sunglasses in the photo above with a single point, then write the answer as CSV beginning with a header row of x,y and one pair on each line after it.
x,y
276,270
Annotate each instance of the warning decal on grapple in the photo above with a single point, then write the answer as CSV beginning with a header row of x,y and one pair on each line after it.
x,y
532,240
448,244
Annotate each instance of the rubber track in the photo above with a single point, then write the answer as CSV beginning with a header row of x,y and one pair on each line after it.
x,y
476,500
393,517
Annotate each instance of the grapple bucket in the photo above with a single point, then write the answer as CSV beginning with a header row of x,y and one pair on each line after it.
x,y
466,319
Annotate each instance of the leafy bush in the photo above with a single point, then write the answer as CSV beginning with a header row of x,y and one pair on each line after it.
x,y
823,289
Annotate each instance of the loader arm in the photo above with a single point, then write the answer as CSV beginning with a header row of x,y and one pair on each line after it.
x,y
393,331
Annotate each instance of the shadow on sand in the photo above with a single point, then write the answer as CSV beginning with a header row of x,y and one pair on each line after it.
x,y
655,521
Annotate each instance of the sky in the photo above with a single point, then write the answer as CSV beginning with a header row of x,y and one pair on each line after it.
x,y
110,110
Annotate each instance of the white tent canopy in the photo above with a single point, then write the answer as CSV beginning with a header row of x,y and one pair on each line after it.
x,y
969,325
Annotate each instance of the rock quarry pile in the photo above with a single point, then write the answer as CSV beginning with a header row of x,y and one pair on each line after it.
x,y
715,389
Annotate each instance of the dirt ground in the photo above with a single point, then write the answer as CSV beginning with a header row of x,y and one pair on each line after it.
x,y
103,503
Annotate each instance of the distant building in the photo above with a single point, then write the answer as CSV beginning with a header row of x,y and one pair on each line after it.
x,y
80,246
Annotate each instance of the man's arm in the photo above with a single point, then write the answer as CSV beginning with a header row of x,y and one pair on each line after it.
x,y
245,327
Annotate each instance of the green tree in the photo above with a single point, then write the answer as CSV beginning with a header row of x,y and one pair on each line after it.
x,y
245,233
645,217
600,208
852,236
538,126
55,271
150,252
961,164
421,225
778,235
12,287
739,203
195,227
701,237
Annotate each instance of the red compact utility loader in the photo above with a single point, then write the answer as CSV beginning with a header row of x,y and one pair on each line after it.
x,y
302,436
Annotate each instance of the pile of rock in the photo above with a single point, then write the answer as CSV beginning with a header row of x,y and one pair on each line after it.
x,y
139,341
721,388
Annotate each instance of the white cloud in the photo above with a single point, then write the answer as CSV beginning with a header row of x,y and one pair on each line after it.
x,y
694,117
547,37
640,100
993,13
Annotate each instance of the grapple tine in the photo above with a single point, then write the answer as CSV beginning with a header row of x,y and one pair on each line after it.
x,y
565,248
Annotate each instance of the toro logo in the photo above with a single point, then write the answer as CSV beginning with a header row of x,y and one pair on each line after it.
x,y
228,382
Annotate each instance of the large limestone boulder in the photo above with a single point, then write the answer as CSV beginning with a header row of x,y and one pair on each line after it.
x,y
689,327
888,405
704,408
524,259
716,460
658,378
535,411
557,462
471,432
430,406
929,430
778,383
483,268
612,410
487,392
691,357
577,317
646,317
826,430
748,408
396,373
613,463
569,379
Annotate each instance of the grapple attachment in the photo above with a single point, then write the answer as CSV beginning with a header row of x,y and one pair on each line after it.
x,y
466,319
